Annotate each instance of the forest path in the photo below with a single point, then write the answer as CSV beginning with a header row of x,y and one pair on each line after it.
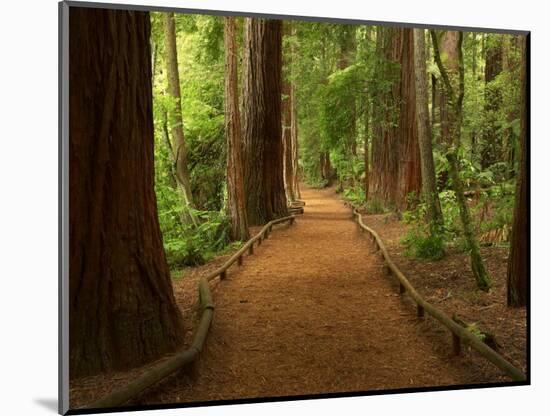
x,y
313,312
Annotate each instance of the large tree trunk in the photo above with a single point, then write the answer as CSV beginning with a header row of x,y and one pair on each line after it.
x,y
449,59
395,169
518,259
236,201
122,307
263,150
429,188
409,167
287,126
176,119
384,141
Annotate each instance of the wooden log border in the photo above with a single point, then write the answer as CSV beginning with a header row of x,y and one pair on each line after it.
x,y
459,333
181,359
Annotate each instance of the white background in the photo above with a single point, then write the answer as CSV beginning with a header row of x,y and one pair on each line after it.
x,y
28,207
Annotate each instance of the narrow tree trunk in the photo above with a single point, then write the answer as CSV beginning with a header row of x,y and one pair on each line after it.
x,y
434,100
121,303
429,187
451,66
347,50
176,119
263,150
236,200
286,104
518,259
473,134
294,124
166,136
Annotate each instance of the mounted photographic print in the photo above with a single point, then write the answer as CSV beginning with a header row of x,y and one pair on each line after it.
x,y
260,208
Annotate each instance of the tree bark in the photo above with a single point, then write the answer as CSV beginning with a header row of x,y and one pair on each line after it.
x,y
518,259
395,170
263,150
409,167
121,303
176,119
236,200
294,124
384,157
286,104
366,145
429,188
451,67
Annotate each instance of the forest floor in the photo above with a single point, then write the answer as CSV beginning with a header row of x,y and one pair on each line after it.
x,y
313,311
449,284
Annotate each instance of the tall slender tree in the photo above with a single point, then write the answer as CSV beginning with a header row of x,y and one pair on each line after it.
x,y
263,149
429,188
294,117
451,66
294,140
518,259
287,108
236,201
121,303
176,119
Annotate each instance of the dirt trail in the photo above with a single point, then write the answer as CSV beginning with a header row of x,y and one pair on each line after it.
x,y
313,312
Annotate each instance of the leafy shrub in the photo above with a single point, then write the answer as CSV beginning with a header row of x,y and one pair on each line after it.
x,y
424,244
355,195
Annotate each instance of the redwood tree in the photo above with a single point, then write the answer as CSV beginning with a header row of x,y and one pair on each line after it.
x,y
518,259
263,149
383,173
236,202
294,123
121,303
287,108
395,171
409,171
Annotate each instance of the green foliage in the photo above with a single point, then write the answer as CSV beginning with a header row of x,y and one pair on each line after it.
x,y
424,244
355,195
474,329
201,63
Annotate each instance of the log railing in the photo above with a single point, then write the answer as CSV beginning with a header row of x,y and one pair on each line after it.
x,y
179,360
459,333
